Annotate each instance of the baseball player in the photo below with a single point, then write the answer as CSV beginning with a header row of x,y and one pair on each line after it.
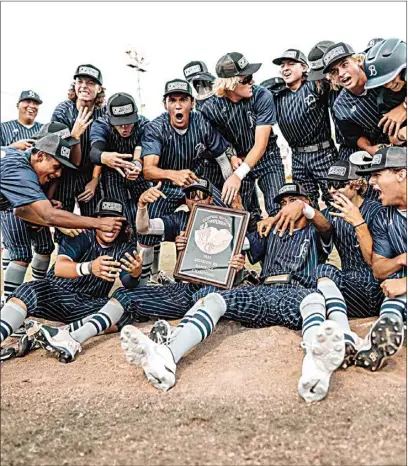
x,y
244,114
86,94
197,74
115,138
77,287
174,148
388,172
303,117
286,267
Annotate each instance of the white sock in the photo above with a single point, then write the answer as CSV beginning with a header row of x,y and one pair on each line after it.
x,y
39,266
313,311
13,277
11,318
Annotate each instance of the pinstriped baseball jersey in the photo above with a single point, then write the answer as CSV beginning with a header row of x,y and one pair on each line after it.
x,y
389,233
298,254
85,248
174,224
237,122
12,131
303,115
66,112
346,241
344,150
103,131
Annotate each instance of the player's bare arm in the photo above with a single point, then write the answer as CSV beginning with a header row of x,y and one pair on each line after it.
x,y
383,267
144,225
103,267
180,178
90,187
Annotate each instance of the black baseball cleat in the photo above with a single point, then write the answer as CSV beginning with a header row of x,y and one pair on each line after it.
x,y
161,332
385,339
7,353
25,345
59,342
19,332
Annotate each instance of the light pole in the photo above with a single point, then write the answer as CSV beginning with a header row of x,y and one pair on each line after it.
x,y
137,61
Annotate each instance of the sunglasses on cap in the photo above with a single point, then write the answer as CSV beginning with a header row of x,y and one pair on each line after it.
x,y
202,196
337,184
246,80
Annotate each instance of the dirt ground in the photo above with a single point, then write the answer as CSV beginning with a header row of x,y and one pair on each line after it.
x,y
235,403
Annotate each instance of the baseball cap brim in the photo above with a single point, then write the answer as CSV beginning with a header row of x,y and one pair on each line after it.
x,y
89,76
278,61
177,91
279,197
70,140
31,98
197,187
381,80
326,70
370,169
204,76
123,120
316,75
64,162
250,69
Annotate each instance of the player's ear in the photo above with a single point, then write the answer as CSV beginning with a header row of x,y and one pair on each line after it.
x,y
402,175
165,103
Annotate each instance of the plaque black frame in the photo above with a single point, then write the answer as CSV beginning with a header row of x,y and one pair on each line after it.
x,y
238,239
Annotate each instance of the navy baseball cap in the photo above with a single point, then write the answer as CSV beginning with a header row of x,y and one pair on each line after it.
x,y
29,95
197,70
56,147
122,109
342,170
372,42
274,85
235,64
291,54
288,189
334,53
109,207
91,71
315,59
202,185
387,157
176,86
61,130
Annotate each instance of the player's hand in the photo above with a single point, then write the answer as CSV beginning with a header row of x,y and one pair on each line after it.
x,y
83,120
109,224
71,232
89,192
132,175
350,212
56,204
287,217
106,268
235,162
230,189
117,161
373,149
184,178
151,195
237,203
394,287
263,227
181,241
133,265
393,120
237,262
23,144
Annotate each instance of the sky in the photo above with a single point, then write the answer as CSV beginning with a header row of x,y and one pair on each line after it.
x,y
44,56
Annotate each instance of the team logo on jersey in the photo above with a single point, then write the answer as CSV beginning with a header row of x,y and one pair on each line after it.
x,y
243,63
303,250
317,64
377,159
340,171
89,71
333,54
178,86
251,119
199,149
372,70
192,69
65,152
64,133
353,109
310,101
123,109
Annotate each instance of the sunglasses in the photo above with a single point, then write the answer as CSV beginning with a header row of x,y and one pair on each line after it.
x,y
246,80
202,196
337,184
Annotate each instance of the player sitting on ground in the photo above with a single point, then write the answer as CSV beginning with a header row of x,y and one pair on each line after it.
x,y
76,289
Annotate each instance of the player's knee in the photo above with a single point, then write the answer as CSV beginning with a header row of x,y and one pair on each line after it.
x,y
215,306
313,299
25,296
121,297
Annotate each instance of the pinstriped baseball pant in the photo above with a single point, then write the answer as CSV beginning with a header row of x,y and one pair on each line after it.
x,y
19,238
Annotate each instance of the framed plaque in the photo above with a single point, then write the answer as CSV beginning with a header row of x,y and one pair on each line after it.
x,y
214,236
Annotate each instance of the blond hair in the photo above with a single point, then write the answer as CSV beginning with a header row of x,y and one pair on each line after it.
x,y
225,84
99,101
358,58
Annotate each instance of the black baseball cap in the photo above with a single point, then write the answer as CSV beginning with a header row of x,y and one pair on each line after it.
x,y
29,95
387,157
197,70
288,189
176,86
109,207
291,54
334,53
91,71
274,85
122,109
61,130
315,59
372,42
342,170
56,147
202,185
235,64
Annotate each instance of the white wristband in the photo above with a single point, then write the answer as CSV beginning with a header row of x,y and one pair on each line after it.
x,y
82,268
242,171
308,211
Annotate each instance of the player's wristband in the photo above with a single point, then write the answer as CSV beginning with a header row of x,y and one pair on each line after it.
x,y
84,268
307,210
138,165
359,225
242,171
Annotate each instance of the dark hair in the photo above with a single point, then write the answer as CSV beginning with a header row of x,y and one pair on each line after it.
x,y
99,101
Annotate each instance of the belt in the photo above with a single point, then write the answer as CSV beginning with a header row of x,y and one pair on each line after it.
x,y
273,279
315,147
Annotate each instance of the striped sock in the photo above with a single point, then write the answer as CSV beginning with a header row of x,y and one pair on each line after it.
x,y
156,259
313,311
200,325
13,278
5,259
147,264
395,307
335,305
105,318
187,317
11,318
79,323
39,266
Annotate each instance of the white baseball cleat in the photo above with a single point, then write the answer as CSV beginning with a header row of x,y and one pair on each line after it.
x,y
157,360
58,341
325,355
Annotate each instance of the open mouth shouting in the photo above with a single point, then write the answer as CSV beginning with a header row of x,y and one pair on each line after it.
x,y
345,81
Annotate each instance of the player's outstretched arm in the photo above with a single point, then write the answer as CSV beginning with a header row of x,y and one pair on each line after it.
x,y
152,172
144,225
383,267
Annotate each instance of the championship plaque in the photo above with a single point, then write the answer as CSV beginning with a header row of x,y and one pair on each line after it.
x,y
214,236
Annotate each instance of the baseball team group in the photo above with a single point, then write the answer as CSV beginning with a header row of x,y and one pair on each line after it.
x,y
136,182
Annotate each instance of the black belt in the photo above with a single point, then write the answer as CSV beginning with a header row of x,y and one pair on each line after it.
x,y
315,147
